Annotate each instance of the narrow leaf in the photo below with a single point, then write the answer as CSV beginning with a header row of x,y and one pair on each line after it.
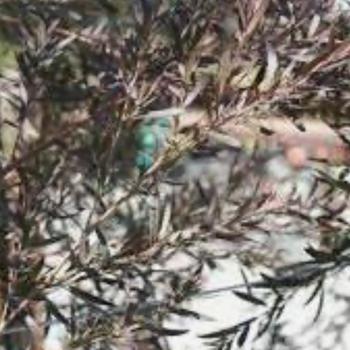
x,y
89,297
249,298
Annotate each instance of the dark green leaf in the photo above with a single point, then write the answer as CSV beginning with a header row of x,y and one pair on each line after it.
x,y
315,291
319,306
318,255
89,297
162,331
228,331
266,131
185,312
54,310
249,298
243,335
48,241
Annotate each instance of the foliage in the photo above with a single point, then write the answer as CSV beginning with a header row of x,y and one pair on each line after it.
x,y
87,74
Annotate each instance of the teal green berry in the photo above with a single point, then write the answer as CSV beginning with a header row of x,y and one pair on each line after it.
x,y
143,161
146,139
150,137
142,130
163,123
148,142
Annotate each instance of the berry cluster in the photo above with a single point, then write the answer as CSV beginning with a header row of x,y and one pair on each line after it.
x,y
150,138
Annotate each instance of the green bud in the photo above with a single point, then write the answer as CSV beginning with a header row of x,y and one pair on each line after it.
x,y
148,142
163,123
145,137
143,161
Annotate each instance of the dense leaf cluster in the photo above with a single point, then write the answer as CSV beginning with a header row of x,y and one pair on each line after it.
x,y
76,216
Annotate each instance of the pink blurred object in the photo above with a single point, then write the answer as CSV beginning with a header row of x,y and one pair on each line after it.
x,y
309,140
